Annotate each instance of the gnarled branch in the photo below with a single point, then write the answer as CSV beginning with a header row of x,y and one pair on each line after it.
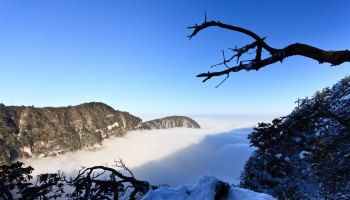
x,y
297,49
97,181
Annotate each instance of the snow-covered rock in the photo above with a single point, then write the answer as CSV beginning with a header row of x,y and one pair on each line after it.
x,y
204,189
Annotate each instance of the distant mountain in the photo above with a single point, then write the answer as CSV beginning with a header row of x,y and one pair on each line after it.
x,y
169,122
39,132
305,155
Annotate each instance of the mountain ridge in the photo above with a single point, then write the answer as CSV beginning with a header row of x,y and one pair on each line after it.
x,y
171,121
28,131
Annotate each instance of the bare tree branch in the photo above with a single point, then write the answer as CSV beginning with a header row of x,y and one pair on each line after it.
x,y
322,56
88,185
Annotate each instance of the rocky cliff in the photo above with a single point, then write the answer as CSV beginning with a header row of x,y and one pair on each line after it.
x,y
39,132
169,122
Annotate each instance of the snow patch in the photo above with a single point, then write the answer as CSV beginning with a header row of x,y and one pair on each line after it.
x,y
27,150
297,139
204,189
302,154
237,193
347,97
279,155
112,126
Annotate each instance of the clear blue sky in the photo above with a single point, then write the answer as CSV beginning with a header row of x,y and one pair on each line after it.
x,y
134,55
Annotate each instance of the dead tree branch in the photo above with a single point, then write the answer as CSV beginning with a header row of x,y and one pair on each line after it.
x,y
276,55
97,181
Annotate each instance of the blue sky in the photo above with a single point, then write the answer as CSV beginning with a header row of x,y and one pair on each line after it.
x,y
134,55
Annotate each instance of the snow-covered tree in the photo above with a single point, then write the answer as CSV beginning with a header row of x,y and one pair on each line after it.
x,y
305,155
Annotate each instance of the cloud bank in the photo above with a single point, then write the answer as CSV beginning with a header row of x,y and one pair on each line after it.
x,y
174,156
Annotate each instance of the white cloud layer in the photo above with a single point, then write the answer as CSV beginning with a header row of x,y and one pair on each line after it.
x,y
175,156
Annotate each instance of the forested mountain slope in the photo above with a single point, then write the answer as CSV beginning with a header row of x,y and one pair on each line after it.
x,y
27,131
305,155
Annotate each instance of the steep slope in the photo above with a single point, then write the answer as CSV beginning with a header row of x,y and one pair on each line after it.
x,y
169,122
29,131
305,155
39,132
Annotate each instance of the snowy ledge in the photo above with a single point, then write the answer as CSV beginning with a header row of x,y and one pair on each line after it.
x,y
204,189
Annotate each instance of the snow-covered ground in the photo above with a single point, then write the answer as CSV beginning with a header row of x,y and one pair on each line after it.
x,y
204,189
175,156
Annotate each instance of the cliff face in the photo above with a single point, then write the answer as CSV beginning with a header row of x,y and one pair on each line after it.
x,y
169,122
38,132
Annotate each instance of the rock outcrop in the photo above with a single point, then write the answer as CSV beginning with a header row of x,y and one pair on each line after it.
x,y
38,132
169,122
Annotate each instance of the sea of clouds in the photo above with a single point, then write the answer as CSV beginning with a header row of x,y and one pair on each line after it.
x,y
174,156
